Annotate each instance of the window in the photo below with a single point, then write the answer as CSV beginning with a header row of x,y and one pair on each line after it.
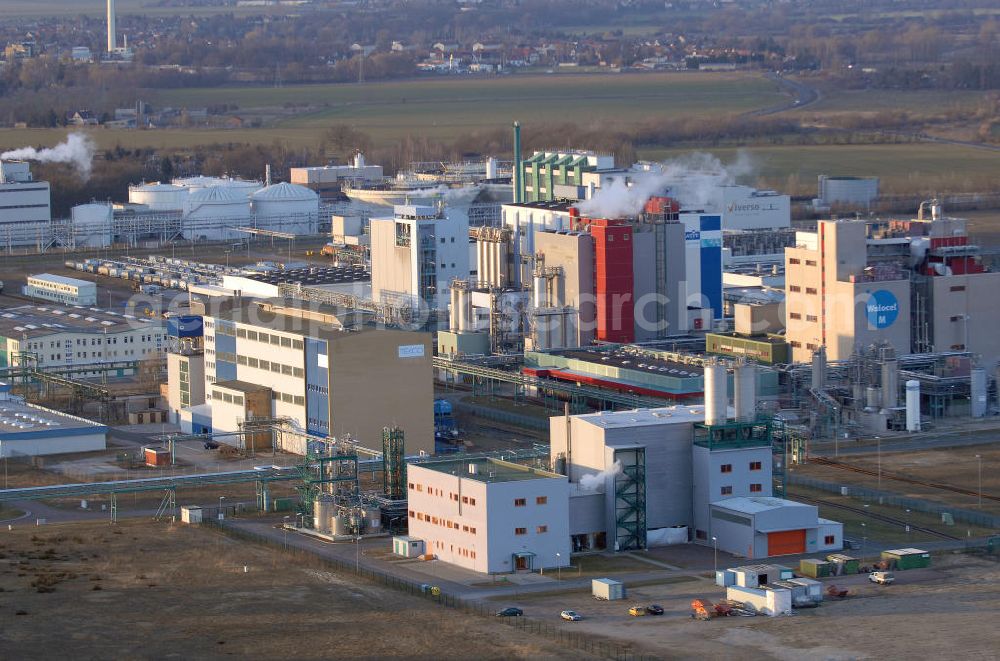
x,y
472,531
958,288
297,344
794,288
794,315
796,344
520,502
829,540
472,501
810,262
275,340
252,335
541,500
794,260
727,491
520,531
755,465
411,514
420,488
465,499
726,468
811,346
286,342
241,332
265,365
810,290
541,529
756,488
252,362
812,317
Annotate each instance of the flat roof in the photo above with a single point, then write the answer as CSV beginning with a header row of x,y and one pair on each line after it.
x,y
18,417
312,275
488,469
640,362
545,205
645,417
62,279
756,504
242,386
48,319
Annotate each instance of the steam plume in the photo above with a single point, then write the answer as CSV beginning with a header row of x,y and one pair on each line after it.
x,y
595,481
691,180
77,150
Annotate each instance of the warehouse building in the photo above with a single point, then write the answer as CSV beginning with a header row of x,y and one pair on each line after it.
x,y
49,336
856,192
27,430
326,375
25,205
60,289
488,515
328,178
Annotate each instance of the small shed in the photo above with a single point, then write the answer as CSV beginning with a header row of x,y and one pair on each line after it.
x,y
191,514
751,576
814,568
725,577
156,456
407,547
907,558
766,599
843,564
607,589
814,589
799,592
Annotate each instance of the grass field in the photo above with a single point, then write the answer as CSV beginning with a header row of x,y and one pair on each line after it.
x,y
439,107
932,168
918,102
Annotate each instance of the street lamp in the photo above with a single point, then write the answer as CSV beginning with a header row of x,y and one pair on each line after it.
x,y
979,458
878,445
221,516
284,528
357,553
907,525
864,538
558,567
715,552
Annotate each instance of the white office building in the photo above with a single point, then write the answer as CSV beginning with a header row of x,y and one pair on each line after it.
x,y
61,289
488,515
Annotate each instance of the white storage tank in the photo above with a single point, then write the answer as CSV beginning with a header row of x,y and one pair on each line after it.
x,y
324,508
288,208
745,392
716,394
92,225
979,402
158,197
213,213
913,405
200,182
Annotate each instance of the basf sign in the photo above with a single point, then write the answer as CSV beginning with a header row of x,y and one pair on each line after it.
x,y
882,308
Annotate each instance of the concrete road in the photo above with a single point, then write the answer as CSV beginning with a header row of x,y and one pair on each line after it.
x,y
802,95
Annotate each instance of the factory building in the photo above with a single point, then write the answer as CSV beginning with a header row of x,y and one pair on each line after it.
x,y
915,284
185,364
326,374
662,472
328,178
488,515
838,299
27,430
856,192
47,336
543,174
416,254
60,289
25,205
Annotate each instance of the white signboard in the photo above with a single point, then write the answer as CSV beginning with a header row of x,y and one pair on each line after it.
x,y
411,350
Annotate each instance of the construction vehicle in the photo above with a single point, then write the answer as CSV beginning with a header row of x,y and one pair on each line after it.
x,y
705,609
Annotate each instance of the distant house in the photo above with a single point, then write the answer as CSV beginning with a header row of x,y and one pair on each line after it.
x,y
81,118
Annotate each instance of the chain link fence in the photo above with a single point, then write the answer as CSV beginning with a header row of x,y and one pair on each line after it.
x,y
588,643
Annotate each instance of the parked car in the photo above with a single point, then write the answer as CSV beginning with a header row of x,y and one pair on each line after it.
x,y
571,616
654,609
881,577
510,612
637,611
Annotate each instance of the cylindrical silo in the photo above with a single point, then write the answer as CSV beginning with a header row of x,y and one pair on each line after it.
x,y
491,168
890,383
464,311
158,197
819,369
540,299
288,208
214,213
745,392
716,394
323,509
913,405
978,392
91,226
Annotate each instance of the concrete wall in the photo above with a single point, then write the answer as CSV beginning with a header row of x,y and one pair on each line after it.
x,y
574,254
961,320
391,268
708,480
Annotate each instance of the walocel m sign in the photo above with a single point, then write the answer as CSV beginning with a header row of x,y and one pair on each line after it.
x,y
882,309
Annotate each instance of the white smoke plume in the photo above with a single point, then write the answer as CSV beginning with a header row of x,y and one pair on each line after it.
x,y
77,150
692,180
596,481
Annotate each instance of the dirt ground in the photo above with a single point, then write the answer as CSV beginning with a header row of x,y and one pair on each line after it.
x,y
955,466
941,612
143,590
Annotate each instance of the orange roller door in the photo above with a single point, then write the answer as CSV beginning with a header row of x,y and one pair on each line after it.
x,y
786,542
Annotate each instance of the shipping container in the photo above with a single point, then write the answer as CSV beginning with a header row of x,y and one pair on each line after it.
x,y
843,564
814,568
607,589
907,558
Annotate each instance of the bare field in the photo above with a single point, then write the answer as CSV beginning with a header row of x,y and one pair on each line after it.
x,y
144,591
940,612
956,466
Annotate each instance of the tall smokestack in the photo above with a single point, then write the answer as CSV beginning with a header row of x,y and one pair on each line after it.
x,y
518,198
112,38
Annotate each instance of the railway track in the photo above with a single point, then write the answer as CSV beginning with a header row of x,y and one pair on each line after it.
x,y
833,463
877,517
